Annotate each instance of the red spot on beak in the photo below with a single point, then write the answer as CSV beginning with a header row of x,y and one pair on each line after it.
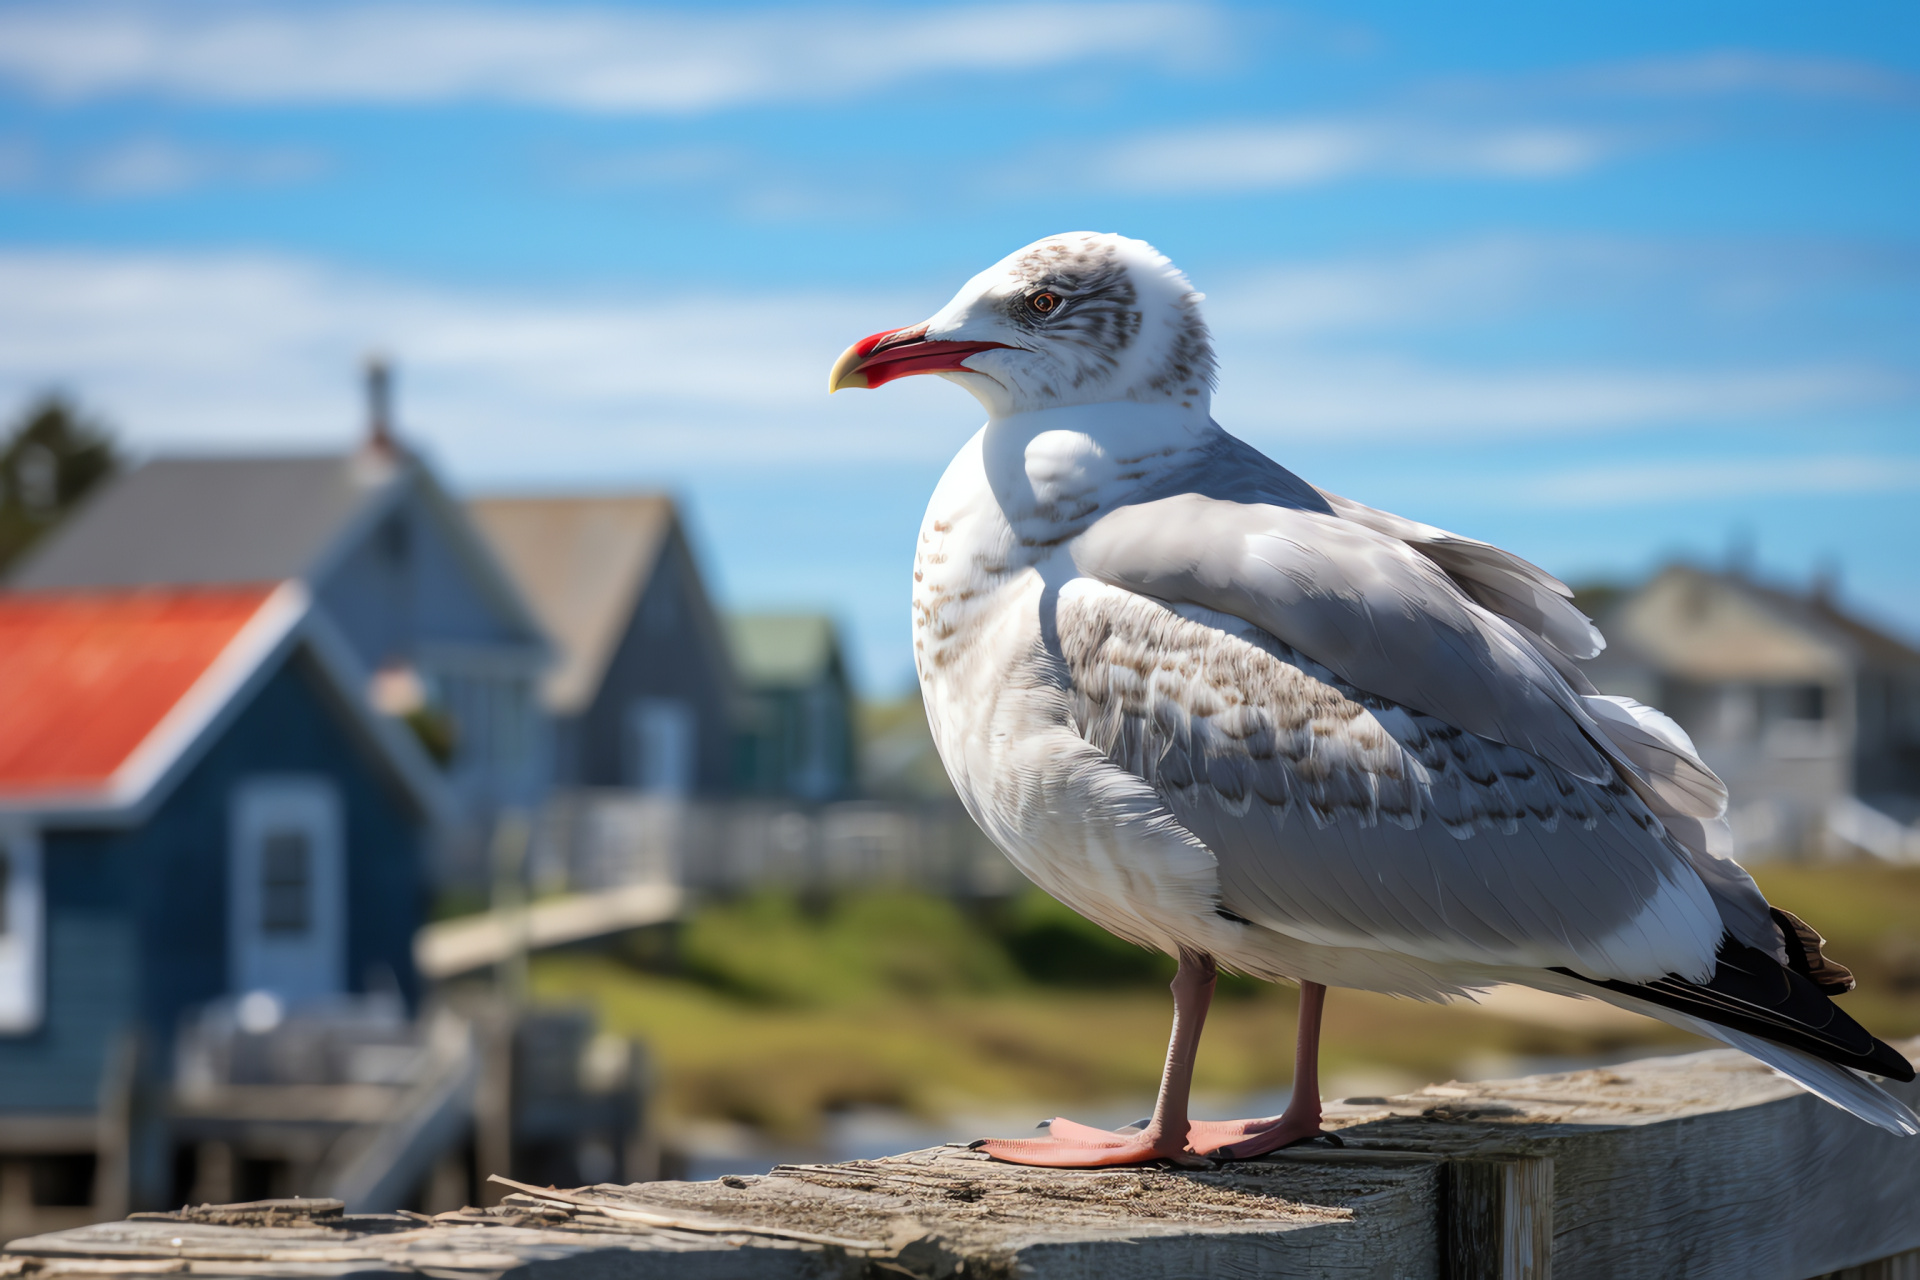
x,y
881,357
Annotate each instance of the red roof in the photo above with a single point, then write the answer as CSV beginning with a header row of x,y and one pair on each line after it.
x,y
86,677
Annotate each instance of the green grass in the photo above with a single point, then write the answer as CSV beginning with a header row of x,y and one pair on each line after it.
x,y
1869,914
772,1012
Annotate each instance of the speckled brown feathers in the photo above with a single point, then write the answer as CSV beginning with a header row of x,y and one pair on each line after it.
x,y
1185,705
1100,318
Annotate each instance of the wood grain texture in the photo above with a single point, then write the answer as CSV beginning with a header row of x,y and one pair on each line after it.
x,y
1498,1219
1706,1166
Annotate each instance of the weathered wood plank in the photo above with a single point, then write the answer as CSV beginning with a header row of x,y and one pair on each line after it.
x,y
1904,1266
1703,1166
448,948
1499,1219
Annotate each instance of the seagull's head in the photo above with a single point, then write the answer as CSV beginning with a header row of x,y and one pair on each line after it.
x,y
1081,318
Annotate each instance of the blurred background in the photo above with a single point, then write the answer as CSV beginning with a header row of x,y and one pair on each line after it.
x,y
456,701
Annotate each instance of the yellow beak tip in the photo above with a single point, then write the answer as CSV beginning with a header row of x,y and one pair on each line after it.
x,y
844,373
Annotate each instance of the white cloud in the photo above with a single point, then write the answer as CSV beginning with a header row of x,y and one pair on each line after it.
x,y
1736,71
1443,129
153,166
1387,396
244,351
256,352
579,57
1662,481
162,166
1303,153
718,391
1444,284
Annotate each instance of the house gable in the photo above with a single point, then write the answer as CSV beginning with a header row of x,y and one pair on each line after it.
x,y
642,654
582,563
407,581
1701,627
383,549
672,653
135,915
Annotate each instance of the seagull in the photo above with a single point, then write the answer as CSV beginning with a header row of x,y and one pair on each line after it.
x,y
1231,716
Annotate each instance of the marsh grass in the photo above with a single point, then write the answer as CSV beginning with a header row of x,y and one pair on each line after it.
x,y
772,1011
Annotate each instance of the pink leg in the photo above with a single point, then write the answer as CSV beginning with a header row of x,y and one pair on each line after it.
x,y
1240,1139
1078,1146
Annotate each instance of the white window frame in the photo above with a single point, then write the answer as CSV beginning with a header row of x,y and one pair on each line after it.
x,y
23,979
312,964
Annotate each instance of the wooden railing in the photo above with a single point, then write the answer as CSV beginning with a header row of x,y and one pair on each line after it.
x,y
1700,1166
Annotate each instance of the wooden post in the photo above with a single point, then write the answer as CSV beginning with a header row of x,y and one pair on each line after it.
x,y
117,1125
1500,1219
493,1100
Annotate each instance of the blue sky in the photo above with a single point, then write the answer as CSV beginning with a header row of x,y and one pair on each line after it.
x,y
1604,286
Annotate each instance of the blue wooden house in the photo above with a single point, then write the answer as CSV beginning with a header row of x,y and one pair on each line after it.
x,y
196,801
439,632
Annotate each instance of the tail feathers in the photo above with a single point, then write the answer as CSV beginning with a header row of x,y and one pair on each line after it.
x,y
1753,993
1706,1012
1841,1086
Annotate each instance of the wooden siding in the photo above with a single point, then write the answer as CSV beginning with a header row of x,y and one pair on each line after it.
x,y
799,742
403,586
137,917
403,593
92,976
672,648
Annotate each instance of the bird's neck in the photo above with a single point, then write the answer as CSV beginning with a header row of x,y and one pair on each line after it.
x,y
1054,471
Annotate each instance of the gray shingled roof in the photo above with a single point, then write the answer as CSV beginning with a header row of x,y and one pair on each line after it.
x,y
199,520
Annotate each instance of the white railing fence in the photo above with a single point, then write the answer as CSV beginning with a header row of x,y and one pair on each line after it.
x,y
590,840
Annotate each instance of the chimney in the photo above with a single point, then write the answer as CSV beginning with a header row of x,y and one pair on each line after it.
x,y
379,405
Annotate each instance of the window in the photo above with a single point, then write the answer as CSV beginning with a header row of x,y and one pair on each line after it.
x,y
286,882
1792,702
660,746
286,916
22,917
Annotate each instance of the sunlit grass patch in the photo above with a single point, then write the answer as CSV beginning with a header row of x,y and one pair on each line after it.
x,y
776,1012
1869,914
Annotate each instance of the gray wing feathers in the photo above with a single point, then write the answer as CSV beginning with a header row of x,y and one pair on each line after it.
x,y
1376,613
1499,580
1400,619
1661,753
1342,819
1677,782
1691,801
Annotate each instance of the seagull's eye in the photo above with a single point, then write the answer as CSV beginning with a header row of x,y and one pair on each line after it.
x,y
1044,303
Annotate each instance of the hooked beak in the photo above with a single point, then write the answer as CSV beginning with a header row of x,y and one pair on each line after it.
x,y
895,353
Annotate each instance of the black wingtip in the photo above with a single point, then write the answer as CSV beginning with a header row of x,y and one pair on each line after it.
x,y
1890,1062
1752,992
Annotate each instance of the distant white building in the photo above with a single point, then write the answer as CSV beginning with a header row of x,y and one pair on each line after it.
x,y
1811,715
